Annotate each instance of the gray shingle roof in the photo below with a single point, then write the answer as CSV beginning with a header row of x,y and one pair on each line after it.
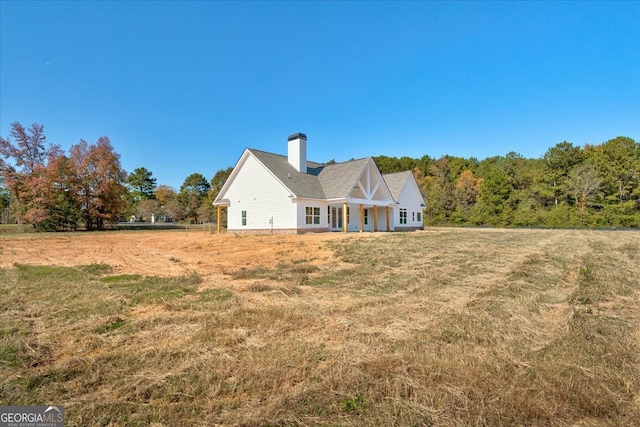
x,y
338,179
300,184
321,181
396,182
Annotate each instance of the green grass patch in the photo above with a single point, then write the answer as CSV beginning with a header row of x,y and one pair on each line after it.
x,y
110,326
96,269
49,274
140,289
9,355
127,278
219,295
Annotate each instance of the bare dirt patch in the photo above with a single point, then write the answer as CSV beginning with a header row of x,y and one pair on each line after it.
x,y
165,253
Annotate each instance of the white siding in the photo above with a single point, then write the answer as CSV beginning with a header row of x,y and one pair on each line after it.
x,y
256,191
302,204
409,199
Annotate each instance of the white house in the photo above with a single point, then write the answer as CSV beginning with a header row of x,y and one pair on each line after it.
x,y
270,192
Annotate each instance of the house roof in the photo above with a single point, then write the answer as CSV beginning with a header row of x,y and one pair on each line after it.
x,y
320,182
338,179
300,184
325,181
396,182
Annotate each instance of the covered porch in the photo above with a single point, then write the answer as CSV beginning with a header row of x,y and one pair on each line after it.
x,y
359,216
368,205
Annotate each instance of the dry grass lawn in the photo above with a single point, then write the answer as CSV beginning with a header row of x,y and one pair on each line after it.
x,y
444,327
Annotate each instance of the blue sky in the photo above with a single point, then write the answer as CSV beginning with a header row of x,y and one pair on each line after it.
x,y
184,87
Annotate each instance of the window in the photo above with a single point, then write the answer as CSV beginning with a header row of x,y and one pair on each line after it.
x,y
244,217
403,216
366,217
413,217
419,216
312,215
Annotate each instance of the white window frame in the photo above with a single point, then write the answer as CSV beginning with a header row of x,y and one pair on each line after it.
x,y
312,215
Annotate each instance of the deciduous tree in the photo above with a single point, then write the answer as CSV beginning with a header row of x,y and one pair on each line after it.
x,y
163,194
29,151
147,208
5,203
100,183
23,165
439,192
467,189
62,201
584,183
170,208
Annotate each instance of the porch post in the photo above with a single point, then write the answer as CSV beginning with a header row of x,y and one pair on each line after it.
x,y
388,222
219,219
361,217
375,218
345,218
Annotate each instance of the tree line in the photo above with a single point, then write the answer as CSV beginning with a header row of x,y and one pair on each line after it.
x,y
87,188
569,186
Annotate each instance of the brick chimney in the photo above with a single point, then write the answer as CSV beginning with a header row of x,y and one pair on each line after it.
x,y
297,153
